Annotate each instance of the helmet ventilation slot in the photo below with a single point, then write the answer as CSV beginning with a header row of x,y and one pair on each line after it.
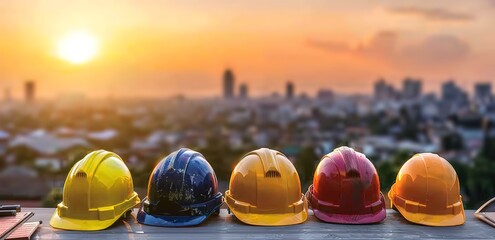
x,y
81,174
272,174
353,173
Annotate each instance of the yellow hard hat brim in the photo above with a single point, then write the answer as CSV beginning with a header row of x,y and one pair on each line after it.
x,y
281,219
80,225
433,220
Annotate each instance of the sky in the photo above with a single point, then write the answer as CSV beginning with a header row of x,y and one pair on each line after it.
x,y
154,48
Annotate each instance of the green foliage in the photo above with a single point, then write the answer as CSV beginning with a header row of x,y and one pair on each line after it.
x,y
73,156
452,142
24,155
479,179
480,185
377,124
387,172
222,159
2,162
388,169
305,164
53,198
140,177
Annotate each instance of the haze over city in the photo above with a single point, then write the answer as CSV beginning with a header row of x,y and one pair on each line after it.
x,y
164,48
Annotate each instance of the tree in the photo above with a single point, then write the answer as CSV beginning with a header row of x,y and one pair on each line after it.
x,y
452,141
53,198
481,176
306,163
24,155
388,169
463,173
481,181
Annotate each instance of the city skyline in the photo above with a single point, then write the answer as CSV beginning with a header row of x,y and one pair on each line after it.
x,y
382,89
141,52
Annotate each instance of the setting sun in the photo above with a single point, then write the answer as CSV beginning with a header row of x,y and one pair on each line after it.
x,y
77,47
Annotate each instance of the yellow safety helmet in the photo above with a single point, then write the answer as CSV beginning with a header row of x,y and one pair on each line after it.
x,y
97,192
265,190
426,192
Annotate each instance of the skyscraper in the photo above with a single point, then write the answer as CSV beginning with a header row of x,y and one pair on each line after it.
x,y
453,98
450,91
411,88
243,91
380,89
289,91
29,89
228,84
384,91
483,92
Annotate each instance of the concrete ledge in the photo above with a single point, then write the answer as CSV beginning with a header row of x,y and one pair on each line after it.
x,y
226,226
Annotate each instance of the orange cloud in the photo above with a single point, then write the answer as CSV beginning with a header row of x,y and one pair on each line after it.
x,y
433,52
434,14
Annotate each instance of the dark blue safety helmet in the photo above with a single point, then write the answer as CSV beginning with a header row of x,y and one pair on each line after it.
x,y
182,191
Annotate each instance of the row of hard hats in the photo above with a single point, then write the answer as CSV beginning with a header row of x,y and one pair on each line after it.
x,y
264,190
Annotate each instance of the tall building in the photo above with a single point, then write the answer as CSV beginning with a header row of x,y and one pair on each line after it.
x,y
384,91
453,98
243,91
228,84
380,89
449,90
483,92
29,89
289,90
411,88
453,93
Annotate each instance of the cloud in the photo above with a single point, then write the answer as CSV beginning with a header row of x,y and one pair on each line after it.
x,y
386,46
443,49
328,45
383,42
433,14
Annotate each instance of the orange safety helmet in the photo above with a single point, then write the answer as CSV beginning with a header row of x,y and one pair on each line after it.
x,y
426,192
265,190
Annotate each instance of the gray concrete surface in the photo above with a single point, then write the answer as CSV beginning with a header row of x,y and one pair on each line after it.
x,y
226,226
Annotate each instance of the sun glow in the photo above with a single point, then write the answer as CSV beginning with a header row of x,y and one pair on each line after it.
x,y
77,47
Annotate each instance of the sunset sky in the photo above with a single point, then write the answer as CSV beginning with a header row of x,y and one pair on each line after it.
x,y
153,48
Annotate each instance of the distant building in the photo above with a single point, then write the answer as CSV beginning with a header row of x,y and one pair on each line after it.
x,y
453,98
228,84
289,91
451,92
46,144
29,89
325,95
103,136
243,91
23,183
380,89
411,88
483,92
383,90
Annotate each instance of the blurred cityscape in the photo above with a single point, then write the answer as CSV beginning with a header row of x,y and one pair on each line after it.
x,y
40,140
